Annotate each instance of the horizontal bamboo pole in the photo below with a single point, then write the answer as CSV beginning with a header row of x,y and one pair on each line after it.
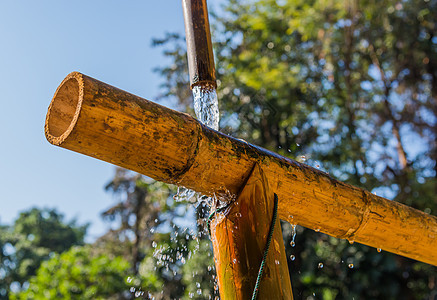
x,y
96,119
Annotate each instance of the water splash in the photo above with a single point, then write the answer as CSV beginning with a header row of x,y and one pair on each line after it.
x,y
184,194
206,106
206,110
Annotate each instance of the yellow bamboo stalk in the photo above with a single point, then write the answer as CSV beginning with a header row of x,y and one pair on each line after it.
x,y
239,237
96,119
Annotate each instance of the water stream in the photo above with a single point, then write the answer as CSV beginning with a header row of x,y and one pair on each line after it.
x,y
206,106
207,112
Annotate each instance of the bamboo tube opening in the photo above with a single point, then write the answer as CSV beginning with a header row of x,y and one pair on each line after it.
x,y
64,109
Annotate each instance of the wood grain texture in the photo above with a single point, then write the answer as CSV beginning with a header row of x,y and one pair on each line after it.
x,y
239,236
96,119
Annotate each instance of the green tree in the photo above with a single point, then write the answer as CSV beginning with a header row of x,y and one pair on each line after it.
x,y
34,236
77,274
7,264
140,201
151,232
348,86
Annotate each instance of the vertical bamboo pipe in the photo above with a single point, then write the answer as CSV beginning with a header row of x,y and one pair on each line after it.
x,y
239,237
199,45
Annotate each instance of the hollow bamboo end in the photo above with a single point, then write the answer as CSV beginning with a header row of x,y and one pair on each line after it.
x,y
64,109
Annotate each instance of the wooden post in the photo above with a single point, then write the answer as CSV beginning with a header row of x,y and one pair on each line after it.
x,y
96,119
239,236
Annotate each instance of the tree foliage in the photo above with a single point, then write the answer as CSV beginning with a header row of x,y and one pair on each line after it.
x,y
140,203
169,255
34,236
348,86
77,274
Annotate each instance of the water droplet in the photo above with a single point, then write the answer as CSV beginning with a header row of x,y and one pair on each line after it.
x,y
351,266
379,250
199,292
132,289
183,260
137,294
293,235
320,266
154,244
234,260
351,241
209,268
297,144
276,261
156,220
317,230
129,279
292,257
238,215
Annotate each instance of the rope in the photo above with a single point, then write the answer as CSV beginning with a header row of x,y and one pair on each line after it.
x,y
266,249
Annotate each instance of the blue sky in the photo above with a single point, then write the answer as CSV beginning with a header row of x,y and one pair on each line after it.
x,y
41,42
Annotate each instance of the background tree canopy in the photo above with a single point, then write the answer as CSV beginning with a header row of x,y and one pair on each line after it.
x,y
346,86
35,235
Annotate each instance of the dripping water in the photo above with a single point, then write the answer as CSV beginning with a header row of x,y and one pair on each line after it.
x,y
206,110
293,235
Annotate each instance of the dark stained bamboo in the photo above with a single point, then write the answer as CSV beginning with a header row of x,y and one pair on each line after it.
x,y
239,237
199,46
96,119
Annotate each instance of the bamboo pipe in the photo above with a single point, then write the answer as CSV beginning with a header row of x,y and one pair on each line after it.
x,y
199,46
239,237
96,119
